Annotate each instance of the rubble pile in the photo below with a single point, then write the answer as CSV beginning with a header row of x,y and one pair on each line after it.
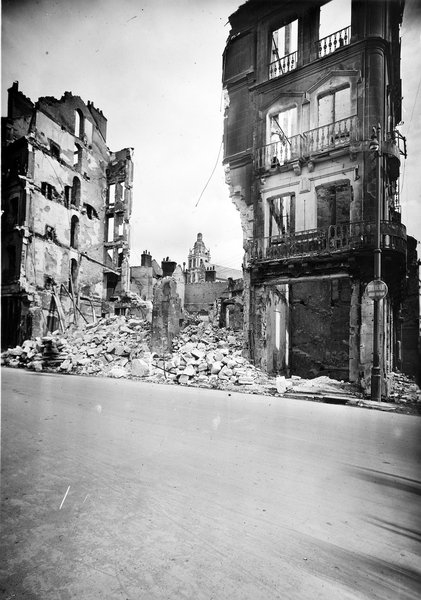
x,y
113,346
209,356
403,389
203,355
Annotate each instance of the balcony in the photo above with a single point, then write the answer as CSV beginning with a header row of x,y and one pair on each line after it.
x,y
333,42
332,136
283,65
344,237
278,153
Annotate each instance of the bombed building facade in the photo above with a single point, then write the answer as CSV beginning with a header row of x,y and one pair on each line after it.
x,y
305,83
66,204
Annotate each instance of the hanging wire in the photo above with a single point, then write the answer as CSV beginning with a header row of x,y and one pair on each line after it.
x,y
213,171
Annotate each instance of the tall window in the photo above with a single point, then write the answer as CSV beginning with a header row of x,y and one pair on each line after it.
x,y
333,203
284,45
335,26
283,126
79,123
281,216
75,198
334,106
74,232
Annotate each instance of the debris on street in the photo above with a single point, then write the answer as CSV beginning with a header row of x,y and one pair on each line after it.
x,y
203,355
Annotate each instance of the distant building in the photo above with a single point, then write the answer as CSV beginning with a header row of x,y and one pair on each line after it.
x,y
305,83
205,281
66,202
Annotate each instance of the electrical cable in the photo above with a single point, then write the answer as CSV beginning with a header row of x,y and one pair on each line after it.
x,y
213,171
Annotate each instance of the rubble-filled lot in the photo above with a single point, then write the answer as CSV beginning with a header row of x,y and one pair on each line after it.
x,y
203,355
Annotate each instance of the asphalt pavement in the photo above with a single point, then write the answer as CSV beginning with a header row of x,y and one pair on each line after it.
x,y
117,489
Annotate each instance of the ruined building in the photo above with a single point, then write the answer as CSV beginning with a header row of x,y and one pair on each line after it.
x,y
66,204
305,83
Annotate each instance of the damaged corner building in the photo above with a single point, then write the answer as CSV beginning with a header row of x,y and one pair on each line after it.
x,y
312,155
66,204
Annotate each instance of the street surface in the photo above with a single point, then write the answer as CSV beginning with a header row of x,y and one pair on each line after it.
x,y
115,489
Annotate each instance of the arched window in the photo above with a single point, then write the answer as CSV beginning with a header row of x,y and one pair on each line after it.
x,y
75,199
74,232
73,276
79,123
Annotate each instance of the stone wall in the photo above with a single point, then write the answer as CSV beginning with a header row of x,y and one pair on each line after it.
x,y
201,296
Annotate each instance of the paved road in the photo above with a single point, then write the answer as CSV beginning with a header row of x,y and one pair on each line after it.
x,y
125,490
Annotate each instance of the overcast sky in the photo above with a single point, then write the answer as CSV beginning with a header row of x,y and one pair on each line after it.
x,y
154,68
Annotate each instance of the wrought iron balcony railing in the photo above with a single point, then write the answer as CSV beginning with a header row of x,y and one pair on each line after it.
x,y
344,237
334,41
329,137
279,153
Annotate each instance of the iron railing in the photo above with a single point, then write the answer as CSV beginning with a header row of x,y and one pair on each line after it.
x,y
334,41
283,65
344,237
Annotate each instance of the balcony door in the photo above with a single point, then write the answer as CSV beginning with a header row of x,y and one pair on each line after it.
x,y
281,216
333,203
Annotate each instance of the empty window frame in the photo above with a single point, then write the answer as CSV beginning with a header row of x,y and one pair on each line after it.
x,y
111,194
335,26
110,229
55,150
284,46
47,190
281,214
282,128
79,123
74,232
77,155
75,196
67,195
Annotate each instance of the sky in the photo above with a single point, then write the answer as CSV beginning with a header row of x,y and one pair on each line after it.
x,y
154,68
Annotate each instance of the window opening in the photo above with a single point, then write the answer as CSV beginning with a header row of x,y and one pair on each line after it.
x,y
47,190
50,233
75,197
90,211
74,232
281,216
67,195
334,106
283,127
284,45
335,26
79,123
77,155
55,150
110,229
88,131
111,194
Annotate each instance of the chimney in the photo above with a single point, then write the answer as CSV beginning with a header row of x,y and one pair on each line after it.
x,y
168,267
146,259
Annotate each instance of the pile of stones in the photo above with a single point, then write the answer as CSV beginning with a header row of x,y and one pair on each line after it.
x,y
209,356
113,346
203,355
403,388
